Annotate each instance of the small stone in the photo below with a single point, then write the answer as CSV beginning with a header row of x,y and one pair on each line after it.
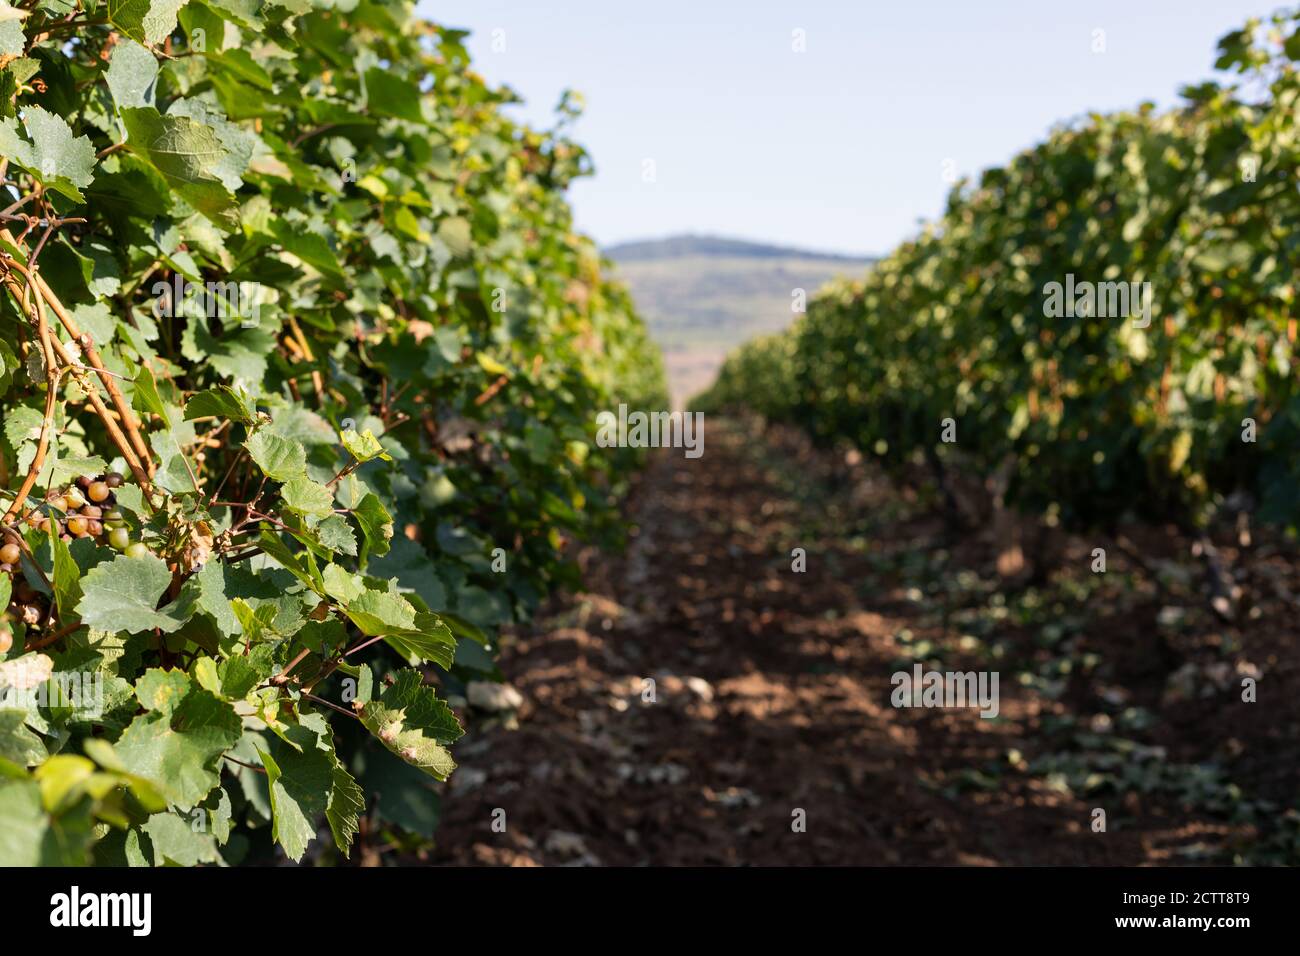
x,y
468,778
489,695
564,843
700,688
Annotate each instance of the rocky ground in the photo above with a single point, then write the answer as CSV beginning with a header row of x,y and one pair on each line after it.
x,y
704,703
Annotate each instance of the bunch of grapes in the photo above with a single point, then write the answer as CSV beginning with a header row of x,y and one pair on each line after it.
x,y
24,604
87,508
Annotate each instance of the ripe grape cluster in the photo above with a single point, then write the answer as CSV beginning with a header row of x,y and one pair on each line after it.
x,y
25,601
27,605
86,508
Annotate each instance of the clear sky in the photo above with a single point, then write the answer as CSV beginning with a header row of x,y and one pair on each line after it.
x,y
841,147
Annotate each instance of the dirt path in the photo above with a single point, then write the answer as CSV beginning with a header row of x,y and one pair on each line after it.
x,y
771,702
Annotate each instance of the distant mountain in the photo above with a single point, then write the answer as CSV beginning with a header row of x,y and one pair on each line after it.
x,y
703,295
677,247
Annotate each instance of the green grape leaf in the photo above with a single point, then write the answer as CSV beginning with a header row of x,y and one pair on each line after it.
x,y
187,153
335,534
301,779
176,840
341,584
390,95
243,672
31,837
381,612
410,720
17,742
307,497
123,595
410,632
365,446
161,690
311,248
220,402
148,21
428,639
178,750
376,523
346,804
61,161
66,578
279,458
131,75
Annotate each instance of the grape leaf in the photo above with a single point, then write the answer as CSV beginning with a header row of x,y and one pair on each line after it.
x,y
131,74
123,595
148,21
428,639
410,720
365,446
66,578
61,161
335,534
220,402
341,584
346,804
187,153
391,95
30,837
279,458
17,742
301,779
376,523
178,750
307,497
381,612
175,840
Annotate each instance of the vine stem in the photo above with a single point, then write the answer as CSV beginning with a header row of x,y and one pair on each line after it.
x,y
347,469
363,645
126,446
87,344
283,676
250,766
92,393
50,639
8,210
317,381
243,555
51,400
325,703
226,477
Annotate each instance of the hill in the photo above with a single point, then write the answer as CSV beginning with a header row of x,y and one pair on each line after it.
x,y
703,295
676,247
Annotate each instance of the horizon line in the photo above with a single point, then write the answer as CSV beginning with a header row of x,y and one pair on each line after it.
x,y
606,247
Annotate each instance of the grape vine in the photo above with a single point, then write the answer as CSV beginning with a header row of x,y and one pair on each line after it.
x,y
296,334
1091,418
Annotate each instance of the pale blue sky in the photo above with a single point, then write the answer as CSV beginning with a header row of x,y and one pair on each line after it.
x,y
840,147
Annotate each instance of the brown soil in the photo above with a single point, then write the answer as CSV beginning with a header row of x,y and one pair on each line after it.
x,y
772,694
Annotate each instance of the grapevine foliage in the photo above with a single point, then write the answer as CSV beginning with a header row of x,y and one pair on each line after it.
x,y
1092,414
248,524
